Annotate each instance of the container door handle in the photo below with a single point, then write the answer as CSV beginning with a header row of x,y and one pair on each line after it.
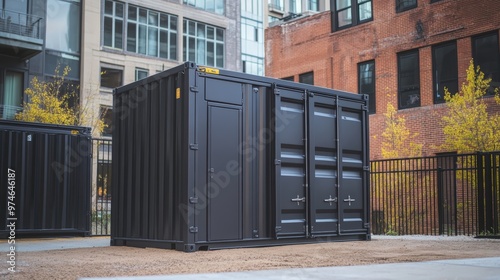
x,y
299,199
330,200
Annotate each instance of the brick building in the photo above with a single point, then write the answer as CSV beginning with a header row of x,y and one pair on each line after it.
x,y
398,52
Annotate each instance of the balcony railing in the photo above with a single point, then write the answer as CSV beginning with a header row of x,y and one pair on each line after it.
x,y
20,24
8,112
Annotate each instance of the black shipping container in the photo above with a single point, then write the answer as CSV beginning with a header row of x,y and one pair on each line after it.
x,y
45,179
205,158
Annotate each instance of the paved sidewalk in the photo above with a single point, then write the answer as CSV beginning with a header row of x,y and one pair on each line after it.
x,y
474,269
46,244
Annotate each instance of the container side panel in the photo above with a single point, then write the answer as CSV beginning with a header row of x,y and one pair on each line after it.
x,y
144,171
225,185
323,165
290,164
52,178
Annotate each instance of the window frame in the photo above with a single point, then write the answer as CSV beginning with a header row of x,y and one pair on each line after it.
x,y
355,14
371,94
406,8
3,94
139,70
215,10
403,90
206,41
305,76
436,80
114,18
113,69
131,39
495,75
310,3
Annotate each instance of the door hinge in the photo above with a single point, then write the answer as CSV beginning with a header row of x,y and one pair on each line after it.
x,y
193,146
366,168
277,229
193,229
277,162
276,91
193,89
193,200
367,225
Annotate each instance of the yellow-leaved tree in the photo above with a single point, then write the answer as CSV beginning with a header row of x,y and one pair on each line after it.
x,y
395,188
468,127
51,102
398,141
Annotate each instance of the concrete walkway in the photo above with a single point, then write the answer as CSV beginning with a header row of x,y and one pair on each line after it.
x,y
474,269
46,244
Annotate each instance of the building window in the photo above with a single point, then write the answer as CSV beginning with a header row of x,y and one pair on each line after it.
x,y
214,6
141,73
63,25
203,44
113,24
295,6
351,12
12,94
148,32
307,78
444,70
106,114
253,65
288,78
151,33
403,5
276,5
486,55
313,5
111,77
408,80
366,82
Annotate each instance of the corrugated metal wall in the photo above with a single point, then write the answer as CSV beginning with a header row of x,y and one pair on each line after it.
x,y
147,131
51,167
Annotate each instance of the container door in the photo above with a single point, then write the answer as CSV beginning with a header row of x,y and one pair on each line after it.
x,y
224,178
324,215
352,196
290,179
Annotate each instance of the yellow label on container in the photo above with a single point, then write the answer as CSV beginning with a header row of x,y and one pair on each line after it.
x,y
74,132
209,70
177,93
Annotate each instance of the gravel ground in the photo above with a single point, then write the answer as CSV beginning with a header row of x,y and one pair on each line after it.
x,y
126,261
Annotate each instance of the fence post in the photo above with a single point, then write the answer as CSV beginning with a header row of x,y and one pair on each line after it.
x,y
480,193
440,197
488,192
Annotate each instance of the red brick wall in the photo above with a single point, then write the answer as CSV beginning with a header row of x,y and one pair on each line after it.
x,y
308,45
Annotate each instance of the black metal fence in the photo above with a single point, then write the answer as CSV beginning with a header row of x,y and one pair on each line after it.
x,y
101,182
441,195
